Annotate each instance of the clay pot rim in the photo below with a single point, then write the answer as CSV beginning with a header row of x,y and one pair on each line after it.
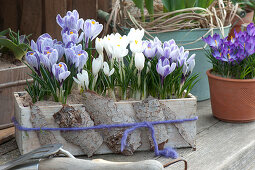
x,y
209,74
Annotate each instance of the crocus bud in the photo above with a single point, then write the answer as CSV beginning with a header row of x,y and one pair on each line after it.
x,y
139,61
60,72
33,59
96,66
106,69
82,79
99,46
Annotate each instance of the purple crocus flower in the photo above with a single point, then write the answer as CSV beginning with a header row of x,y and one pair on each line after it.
x,y
171,43
213,41
70,21
72,36
49,57
42,42
91,30
59,46
33,60
164,69
75,55
60,72
149,49
251,29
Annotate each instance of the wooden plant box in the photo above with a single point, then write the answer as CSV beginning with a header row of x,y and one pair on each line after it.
x,y
184,108
11,79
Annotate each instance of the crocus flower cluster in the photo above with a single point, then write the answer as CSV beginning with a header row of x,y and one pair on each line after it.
x,y
133,67
165,58
234,50
230,55
47,54
170,57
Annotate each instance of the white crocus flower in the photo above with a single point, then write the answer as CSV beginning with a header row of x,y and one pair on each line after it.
x,y
106,69
139,61
135,34
96,66
118,51
191,63
82,79
136,46
99,44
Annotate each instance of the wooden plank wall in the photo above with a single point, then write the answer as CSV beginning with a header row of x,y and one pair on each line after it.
x,y
39,16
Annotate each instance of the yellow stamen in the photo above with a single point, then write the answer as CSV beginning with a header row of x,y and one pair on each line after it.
x,y
215,42
60,65
228,56
71,32
136,41
243,45
231,38
93,22
48,52
118,45
109,39
220,54
120,37
79,54
31,53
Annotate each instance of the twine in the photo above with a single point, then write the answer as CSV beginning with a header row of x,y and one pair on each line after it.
x,y
167,152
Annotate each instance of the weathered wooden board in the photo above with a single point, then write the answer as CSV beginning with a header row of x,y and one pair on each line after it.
x,y
183,108
9,75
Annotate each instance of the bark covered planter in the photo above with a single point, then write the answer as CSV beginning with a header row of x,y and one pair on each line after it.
x,y
179,135
232,100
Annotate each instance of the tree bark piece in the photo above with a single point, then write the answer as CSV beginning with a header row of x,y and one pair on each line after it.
x,y
38,120
170,115
104,111
88,140
150,110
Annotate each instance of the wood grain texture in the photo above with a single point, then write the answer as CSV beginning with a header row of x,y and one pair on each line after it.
x,y
31,18
6,94
52,9
39,16
6,134
184,108
9,14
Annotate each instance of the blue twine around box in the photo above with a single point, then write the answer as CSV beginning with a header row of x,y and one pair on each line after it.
x,y
167,152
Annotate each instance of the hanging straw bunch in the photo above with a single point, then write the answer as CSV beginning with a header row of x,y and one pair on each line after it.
x,y
220,13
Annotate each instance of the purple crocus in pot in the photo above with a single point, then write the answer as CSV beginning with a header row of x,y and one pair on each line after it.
x,y
70,21
49,57
164,68
60,72
214,41
91,30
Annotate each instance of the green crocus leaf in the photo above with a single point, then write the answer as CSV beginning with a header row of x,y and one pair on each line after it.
x,y
150,8
18,50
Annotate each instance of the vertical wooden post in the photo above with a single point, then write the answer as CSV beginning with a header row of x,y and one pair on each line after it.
x,y
31,18
52,9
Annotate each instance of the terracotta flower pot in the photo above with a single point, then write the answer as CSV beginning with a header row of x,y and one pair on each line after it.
x,y
232,100
237,23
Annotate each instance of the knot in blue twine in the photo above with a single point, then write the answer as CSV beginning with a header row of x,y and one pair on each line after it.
x,y
168,152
